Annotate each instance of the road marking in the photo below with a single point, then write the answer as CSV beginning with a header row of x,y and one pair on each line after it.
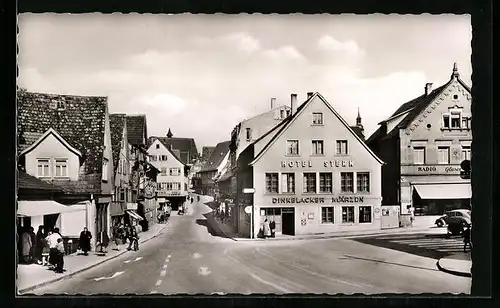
x,y
204,270
135,260
163,273
165,265
169,256
158,282
196,255
270,284
111,277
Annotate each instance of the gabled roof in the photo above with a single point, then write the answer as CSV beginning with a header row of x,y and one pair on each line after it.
x,y
44,136
181,144
287,122
264,113
220,151
81,123
28,182
136,129
117,124
152,140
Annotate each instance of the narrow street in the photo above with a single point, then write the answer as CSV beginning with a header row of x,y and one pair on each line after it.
x,y
186,258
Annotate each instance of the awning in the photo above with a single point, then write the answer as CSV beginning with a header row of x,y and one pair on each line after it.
x,y
134,215
45,207
444,191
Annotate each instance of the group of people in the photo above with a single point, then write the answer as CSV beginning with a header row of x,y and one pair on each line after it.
x,y
43,248
268,229
123,233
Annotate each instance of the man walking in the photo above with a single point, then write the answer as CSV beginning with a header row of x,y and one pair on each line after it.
x,y
133,238
467,241
272,226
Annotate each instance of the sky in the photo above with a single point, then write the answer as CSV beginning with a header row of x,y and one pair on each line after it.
x,y
200,75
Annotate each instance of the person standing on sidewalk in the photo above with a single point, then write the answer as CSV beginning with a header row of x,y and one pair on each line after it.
x,y
467,241
85,237
33,244
133,238
53,240
40,242
267,229
60,256
26,245
272,226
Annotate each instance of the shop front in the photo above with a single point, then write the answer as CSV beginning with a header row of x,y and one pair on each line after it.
x,y
436,199
176,198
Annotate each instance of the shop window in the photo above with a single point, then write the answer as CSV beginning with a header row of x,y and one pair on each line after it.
x,y
466,152
348,214
287,183
61,168
317,118
419,155
365,214
325,182
309,181
272,182
292,147
363,181
43,168
346,182
443,155
341,147
317,146
327,215
248,134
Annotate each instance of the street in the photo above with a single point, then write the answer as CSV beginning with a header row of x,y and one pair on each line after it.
x,y
187,259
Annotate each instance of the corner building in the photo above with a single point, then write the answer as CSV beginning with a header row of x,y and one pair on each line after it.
x,y
311,174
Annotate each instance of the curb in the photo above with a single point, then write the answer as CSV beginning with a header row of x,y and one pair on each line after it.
x,y
31,288
452,272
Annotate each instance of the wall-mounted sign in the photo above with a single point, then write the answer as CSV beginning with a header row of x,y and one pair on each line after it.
x,y
431,169
248,190
309,164
306,200
348,199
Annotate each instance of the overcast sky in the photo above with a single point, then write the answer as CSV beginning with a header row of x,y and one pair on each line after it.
x,y
202,74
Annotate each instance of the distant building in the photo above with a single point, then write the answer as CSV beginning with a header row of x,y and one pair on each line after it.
x,y
212,168
196,181
309,174
423,143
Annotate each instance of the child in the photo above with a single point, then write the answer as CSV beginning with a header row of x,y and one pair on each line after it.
x,y
60,256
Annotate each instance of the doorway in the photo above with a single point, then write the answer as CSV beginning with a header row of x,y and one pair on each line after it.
x,y
288,220
50,222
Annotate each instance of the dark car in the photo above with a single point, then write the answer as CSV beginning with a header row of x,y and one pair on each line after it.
x,y
453,216
457,224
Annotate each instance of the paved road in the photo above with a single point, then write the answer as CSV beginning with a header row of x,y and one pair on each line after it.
x,y
186,258
434,246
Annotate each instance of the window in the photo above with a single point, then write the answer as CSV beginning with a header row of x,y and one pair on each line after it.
x,y
455,119
248,134
43,168
466,152
61,168
61,105
317,146
341,147
163,171
157,146
175,171
122,195
346,182
104,169
271,182
309,182
348,214
327,215
317,118
325,182
287,183
363,181
176,186
153,157
443,155
292,147
446,121
365,214
419,155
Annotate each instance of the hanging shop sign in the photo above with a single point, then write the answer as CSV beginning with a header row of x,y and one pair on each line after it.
x,y
149,189
338,163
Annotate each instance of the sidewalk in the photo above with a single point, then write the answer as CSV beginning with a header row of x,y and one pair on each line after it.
x,y
33,276
459,264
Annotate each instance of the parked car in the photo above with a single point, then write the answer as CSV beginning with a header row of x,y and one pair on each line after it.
x,y
452,216
458,223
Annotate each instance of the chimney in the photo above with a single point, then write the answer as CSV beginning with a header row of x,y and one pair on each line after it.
x,y
428,88
293,103
273,102
309,94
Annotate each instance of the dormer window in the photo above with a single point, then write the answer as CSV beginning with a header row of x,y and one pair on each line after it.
x,y
61,105
61,167
43,168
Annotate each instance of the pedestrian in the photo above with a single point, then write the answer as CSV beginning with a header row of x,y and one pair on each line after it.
x,y
33,244
266,229
26,245
53,239
467,241
272,226
40,242
59,256
133,238
46,250
85,237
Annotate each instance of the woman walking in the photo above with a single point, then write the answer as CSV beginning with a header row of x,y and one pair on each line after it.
x,y
85,237
40,242
267,229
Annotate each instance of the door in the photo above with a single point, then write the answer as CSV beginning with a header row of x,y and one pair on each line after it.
x,y
288,221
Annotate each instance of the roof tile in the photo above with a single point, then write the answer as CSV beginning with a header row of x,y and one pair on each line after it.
x,y
136,129
217,156
117,124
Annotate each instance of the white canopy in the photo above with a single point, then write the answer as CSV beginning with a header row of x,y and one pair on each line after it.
x,y
445,191
45,207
